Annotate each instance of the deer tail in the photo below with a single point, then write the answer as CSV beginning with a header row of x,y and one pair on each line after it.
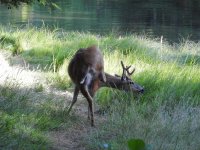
x,y
87,78
89,75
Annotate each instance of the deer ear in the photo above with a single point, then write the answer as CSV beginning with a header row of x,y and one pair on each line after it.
x,y
123,78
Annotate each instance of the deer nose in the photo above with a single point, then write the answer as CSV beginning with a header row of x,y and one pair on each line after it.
x,y
142,91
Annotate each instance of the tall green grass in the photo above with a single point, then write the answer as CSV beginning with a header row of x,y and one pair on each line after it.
x,y
165,116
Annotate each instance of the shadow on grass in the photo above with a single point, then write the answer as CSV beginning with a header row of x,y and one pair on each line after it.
x,y
25,121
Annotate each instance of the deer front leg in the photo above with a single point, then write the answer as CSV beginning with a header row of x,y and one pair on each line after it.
x,y
85,92
76,91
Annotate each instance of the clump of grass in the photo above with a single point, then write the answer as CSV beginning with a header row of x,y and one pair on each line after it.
x,y
39,87
11,43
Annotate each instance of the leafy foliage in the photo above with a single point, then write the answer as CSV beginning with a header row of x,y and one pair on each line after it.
x,y
16,3
136,144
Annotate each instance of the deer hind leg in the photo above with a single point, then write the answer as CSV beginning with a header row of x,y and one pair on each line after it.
x,y
89,114
86,94
76,91
91,92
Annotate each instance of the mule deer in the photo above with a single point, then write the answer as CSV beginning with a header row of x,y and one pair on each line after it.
x,y
85,69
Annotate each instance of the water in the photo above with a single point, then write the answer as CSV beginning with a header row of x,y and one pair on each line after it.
x,y
172,19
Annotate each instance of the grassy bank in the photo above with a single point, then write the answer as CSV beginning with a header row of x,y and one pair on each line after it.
x,y
166,116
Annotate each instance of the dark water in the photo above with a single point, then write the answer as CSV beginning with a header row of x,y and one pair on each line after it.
x,y
172,19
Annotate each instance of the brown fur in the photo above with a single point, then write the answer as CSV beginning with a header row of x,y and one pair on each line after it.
x,y
86,69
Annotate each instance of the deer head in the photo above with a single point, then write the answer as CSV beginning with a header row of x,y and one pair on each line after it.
x,y
124,82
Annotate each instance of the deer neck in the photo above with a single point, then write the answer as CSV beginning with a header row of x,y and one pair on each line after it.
x,y
111,81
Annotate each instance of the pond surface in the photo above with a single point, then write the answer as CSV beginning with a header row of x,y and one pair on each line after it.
x,y
172,19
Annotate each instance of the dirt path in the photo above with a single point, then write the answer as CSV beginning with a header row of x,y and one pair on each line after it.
x,y
15,68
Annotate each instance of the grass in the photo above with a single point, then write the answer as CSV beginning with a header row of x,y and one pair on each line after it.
x,y
163,128
166,116
24,121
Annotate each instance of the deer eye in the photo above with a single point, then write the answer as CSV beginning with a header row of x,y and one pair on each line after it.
x,y
131,82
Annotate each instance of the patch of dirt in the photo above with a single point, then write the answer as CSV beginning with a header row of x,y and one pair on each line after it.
x,y
70,140
15,68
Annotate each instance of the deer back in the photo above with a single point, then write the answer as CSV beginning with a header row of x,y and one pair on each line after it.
x,y
87,65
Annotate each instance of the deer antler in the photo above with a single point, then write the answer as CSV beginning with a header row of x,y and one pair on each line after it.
x,y
130,73
126,70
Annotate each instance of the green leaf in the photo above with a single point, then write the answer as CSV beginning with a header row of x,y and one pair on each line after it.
x,y
136,144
